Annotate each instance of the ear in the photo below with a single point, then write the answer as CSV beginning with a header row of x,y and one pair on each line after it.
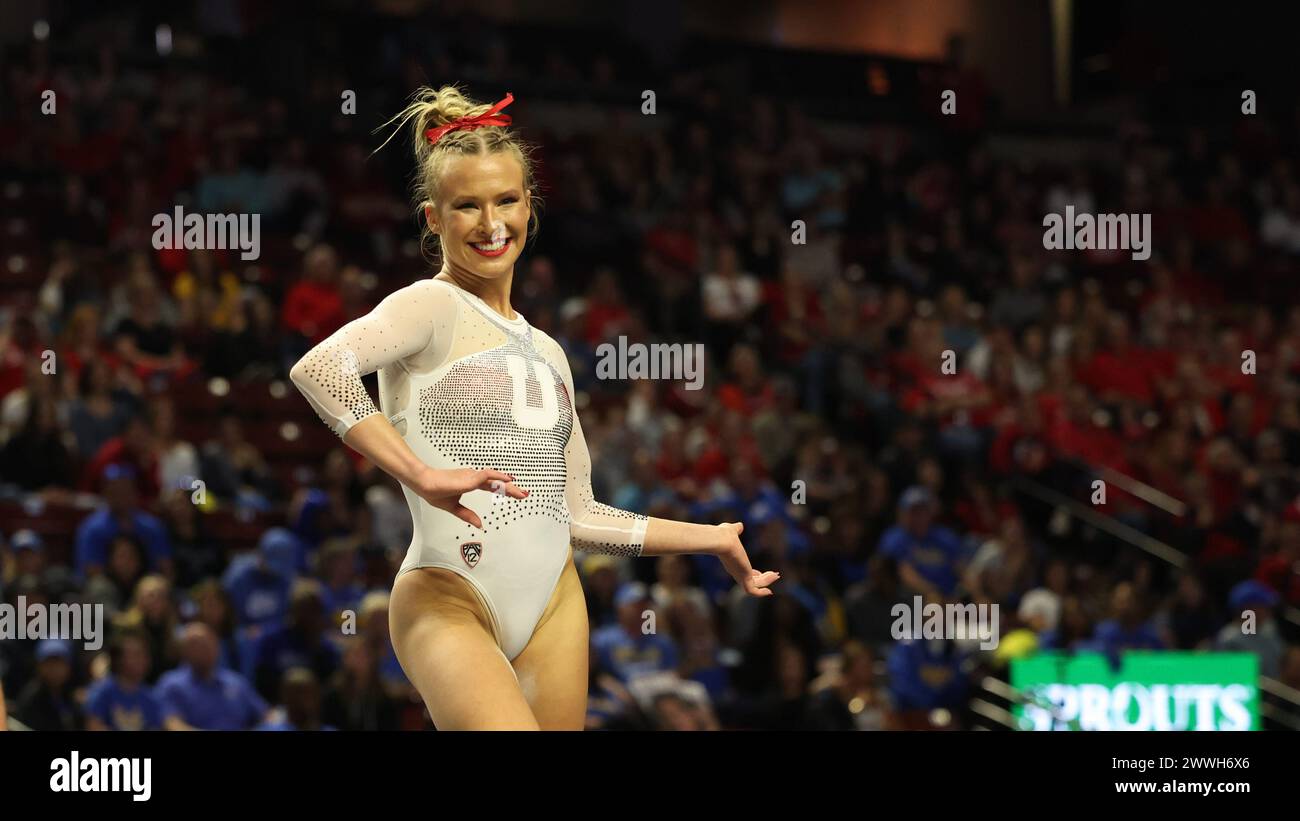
x,y
429,217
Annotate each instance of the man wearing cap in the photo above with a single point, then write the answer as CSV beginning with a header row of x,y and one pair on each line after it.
x,y
623,648
47,702
121,514
258,583
28,550
1264,641
930,557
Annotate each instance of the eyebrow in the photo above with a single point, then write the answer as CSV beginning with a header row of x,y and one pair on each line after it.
x,y
507,192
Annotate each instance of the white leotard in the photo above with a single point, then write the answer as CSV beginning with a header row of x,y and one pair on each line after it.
x,y
468,388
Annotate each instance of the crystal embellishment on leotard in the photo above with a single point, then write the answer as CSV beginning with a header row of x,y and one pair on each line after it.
x,y
475,417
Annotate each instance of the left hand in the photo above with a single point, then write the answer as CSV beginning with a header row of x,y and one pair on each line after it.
x,y
736,561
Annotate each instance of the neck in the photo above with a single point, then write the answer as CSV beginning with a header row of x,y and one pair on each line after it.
x,y
495,292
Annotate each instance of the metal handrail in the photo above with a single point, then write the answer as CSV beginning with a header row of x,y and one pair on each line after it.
x,y
1276,688
1101,521
993,713
1142,490
1119,530
1272,713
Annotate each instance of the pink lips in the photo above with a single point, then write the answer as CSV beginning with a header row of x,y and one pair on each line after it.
x,y
504,248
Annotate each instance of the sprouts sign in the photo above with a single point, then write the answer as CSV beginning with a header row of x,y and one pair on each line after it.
x,y
1150,691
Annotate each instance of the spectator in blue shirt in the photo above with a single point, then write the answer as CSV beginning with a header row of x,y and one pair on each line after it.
x,y
927,673
122,700
301,699
199,695
302,642
1127,630
1265,641
121,514
338,570
258,583
930,557
372,624
623,649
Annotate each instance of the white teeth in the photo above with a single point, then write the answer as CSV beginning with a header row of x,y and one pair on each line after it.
x,y
490,246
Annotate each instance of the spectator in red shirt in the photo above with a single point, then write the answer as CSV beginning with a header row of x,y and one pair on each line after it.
x,y
313,308
747,392
135,446
1122,371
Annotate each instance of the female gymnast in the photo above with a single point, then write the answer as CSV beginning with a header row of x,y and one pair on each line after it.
x,y
477,422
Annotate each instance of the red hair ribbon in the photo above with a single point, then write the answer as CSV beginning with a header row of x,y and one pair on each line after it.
x,y
490,117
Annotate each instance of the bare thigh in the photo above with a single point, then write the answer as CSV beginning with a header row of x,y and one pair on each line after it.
x,y
553,667
443,639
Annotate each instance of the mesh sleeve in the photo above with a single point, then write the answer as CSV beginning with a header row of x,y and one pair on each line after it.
x,y
593,526
329,375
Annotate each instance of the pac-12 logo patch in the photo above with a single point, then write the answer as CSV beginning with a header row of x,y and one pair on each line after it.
x,y
471,552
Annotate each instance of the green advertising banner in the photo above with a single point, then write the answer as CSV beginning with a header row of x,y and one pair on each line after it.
x,y
1150,691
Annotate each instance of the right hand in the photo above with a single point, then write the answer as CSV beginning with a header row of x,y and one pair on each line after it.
x,y
443,489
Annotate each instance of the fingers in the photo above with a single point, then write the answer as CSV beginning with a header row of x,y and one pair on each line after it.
x,y
496,481
504,488
464,513
760,584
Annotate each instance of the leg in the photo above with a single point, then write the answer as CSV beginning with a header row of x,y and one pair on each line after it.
x,y
553,667
443,639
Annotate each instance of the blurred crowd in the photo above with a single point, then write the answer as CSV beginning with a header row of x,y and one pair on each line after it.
x,y
829,285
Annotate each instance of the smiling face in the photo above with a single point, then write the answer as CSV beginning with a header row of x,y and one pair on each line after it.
x,y
481,215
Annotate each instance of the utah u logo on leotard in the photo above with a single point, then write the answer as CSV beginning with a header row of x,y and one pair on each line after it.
x,y
526,415
471,552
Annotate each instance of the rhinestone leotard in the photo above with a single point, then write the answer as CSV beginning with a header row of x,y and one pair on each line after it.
x,y
468,388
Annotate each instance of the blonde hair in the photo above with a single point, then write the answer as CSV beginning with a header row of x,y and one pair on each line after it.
x,y
430,108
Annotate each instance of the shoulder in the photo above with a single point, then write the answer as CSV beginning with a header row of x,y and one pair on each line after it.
x,y
98,520
948,536
552,350
423,292
229,678
547,344
147,521
893,538
170,680
100,689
